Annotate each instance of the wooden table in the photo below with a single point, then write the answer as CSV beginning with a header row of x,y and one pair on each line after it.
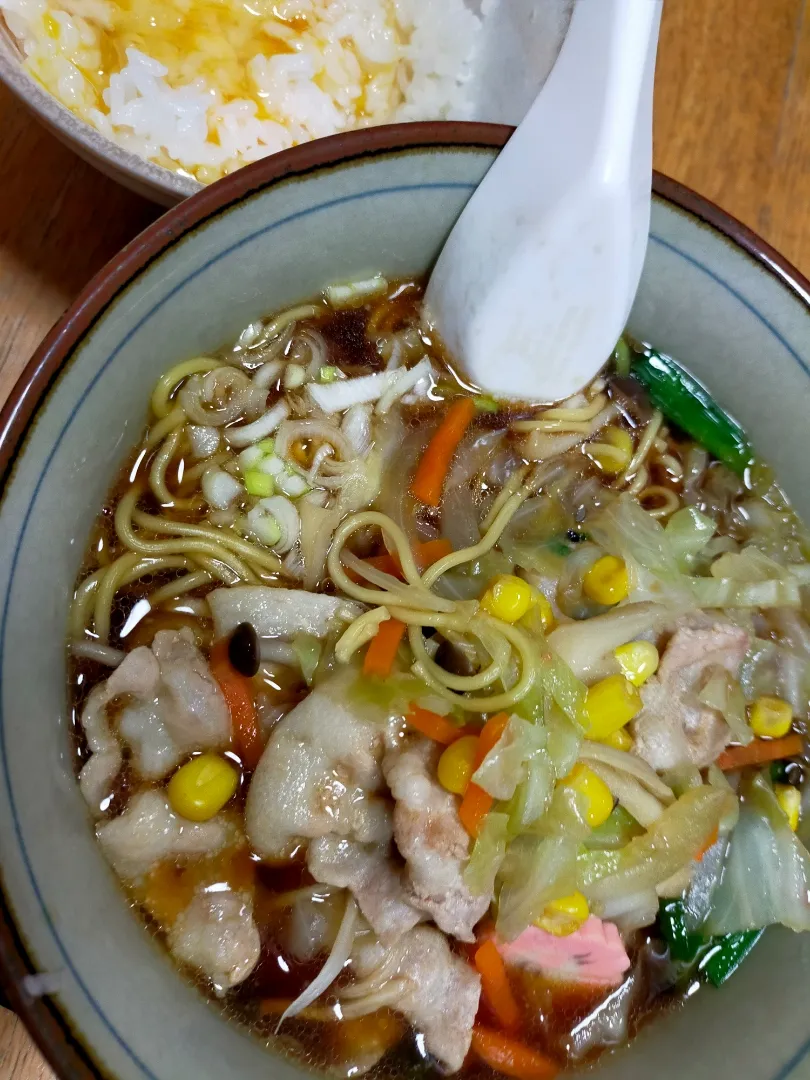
x,y
732,121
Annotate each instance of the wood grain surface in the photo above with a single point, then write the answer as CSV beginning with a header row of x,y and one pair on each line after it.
x,y
732,122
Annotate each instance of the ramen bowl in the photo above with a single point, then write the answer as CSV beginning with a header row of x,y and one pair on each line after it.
x,y
110,1002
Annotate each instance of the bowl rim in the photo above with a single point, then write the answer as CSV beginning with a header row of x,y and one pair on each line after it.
x,y
50,1026
162,183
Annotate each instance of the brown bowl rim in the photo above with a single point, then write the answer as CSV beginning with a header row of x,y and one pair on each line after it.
x,y
49,1026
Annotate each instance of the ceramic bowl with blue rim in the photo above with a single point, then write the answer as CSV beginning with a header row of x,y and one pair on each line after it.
x,y
271,235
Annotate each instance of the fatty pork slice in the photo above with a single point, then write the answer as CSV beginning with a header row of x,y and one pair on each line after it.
x,y
432,840
320,784
422,979
675,728
149,831
375,881
172,706
218,937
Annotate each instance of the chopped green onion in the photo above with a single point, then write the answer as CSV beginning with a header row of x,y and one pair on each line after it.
x,y
294,376
484,403
686,402
267,529
329,373
259,483
267,446
355,292
291,484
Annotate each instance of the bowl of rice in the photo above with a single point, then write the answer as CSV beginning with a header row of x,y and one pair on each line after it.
x,y
167,96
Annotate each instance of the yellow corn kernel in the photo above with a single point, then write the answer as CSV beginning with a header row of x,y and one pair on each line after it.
x,y
612,451
638,661
790,799
770,717
606,582
457,764
200,788
562,917
619,740
598,801
610,705
508,598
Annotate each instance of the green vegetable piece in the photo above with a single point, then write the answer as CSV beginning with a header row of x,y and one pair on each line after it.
x,y
484,403
727,955
559,547
685,401
622,356
684,947
259,484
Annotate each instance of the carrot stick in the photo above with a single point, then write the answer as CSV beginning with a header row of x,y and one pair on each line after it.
x,y
431,473
382,650
424,555
495,986
759,752
238,695
510,1057
436,727
477,803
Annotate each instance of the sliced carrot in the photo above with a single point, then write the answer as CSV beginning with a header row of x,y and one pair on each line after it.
x,y
510,1057
431,473
425,554
474,807
238,694
759,752
436,727
709,843
495,986
476,803
490,734
382,650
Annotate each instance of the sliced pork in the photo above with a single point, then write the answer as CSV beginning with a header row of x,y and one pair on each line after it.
x,y
319,776
171,706
149,831
216,935
675,728
432,840
374,879
421,978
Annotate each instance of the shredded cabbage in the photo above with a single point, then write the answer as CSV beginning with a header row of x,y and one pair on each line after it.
x,y
687,533
504,767
714,592
767,873
722,693
671,842
487,854
562,685
625,528
541,868
564,741
533,796
308,653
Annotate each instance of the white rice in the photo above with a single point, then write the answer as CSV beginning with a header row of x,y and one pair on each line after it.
x,y
332,65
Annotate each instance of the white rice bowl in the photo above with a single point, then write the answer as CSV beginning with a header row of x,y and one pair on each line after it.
x,y
228,83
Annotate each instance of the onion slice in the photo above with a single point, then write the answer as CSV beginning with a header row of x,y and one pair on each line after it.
x,y
338,957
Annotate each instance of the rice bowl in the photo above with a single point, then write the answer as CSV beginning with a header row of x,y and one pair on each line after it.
x,y
203,89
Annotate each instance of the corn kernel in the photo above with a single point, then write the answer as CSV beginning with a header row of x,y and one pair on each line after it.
x,y
612,452
610,705
200,788
770,717
619,740
598,801
457,764
562,917
607,582
790,799
638,661
508,598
